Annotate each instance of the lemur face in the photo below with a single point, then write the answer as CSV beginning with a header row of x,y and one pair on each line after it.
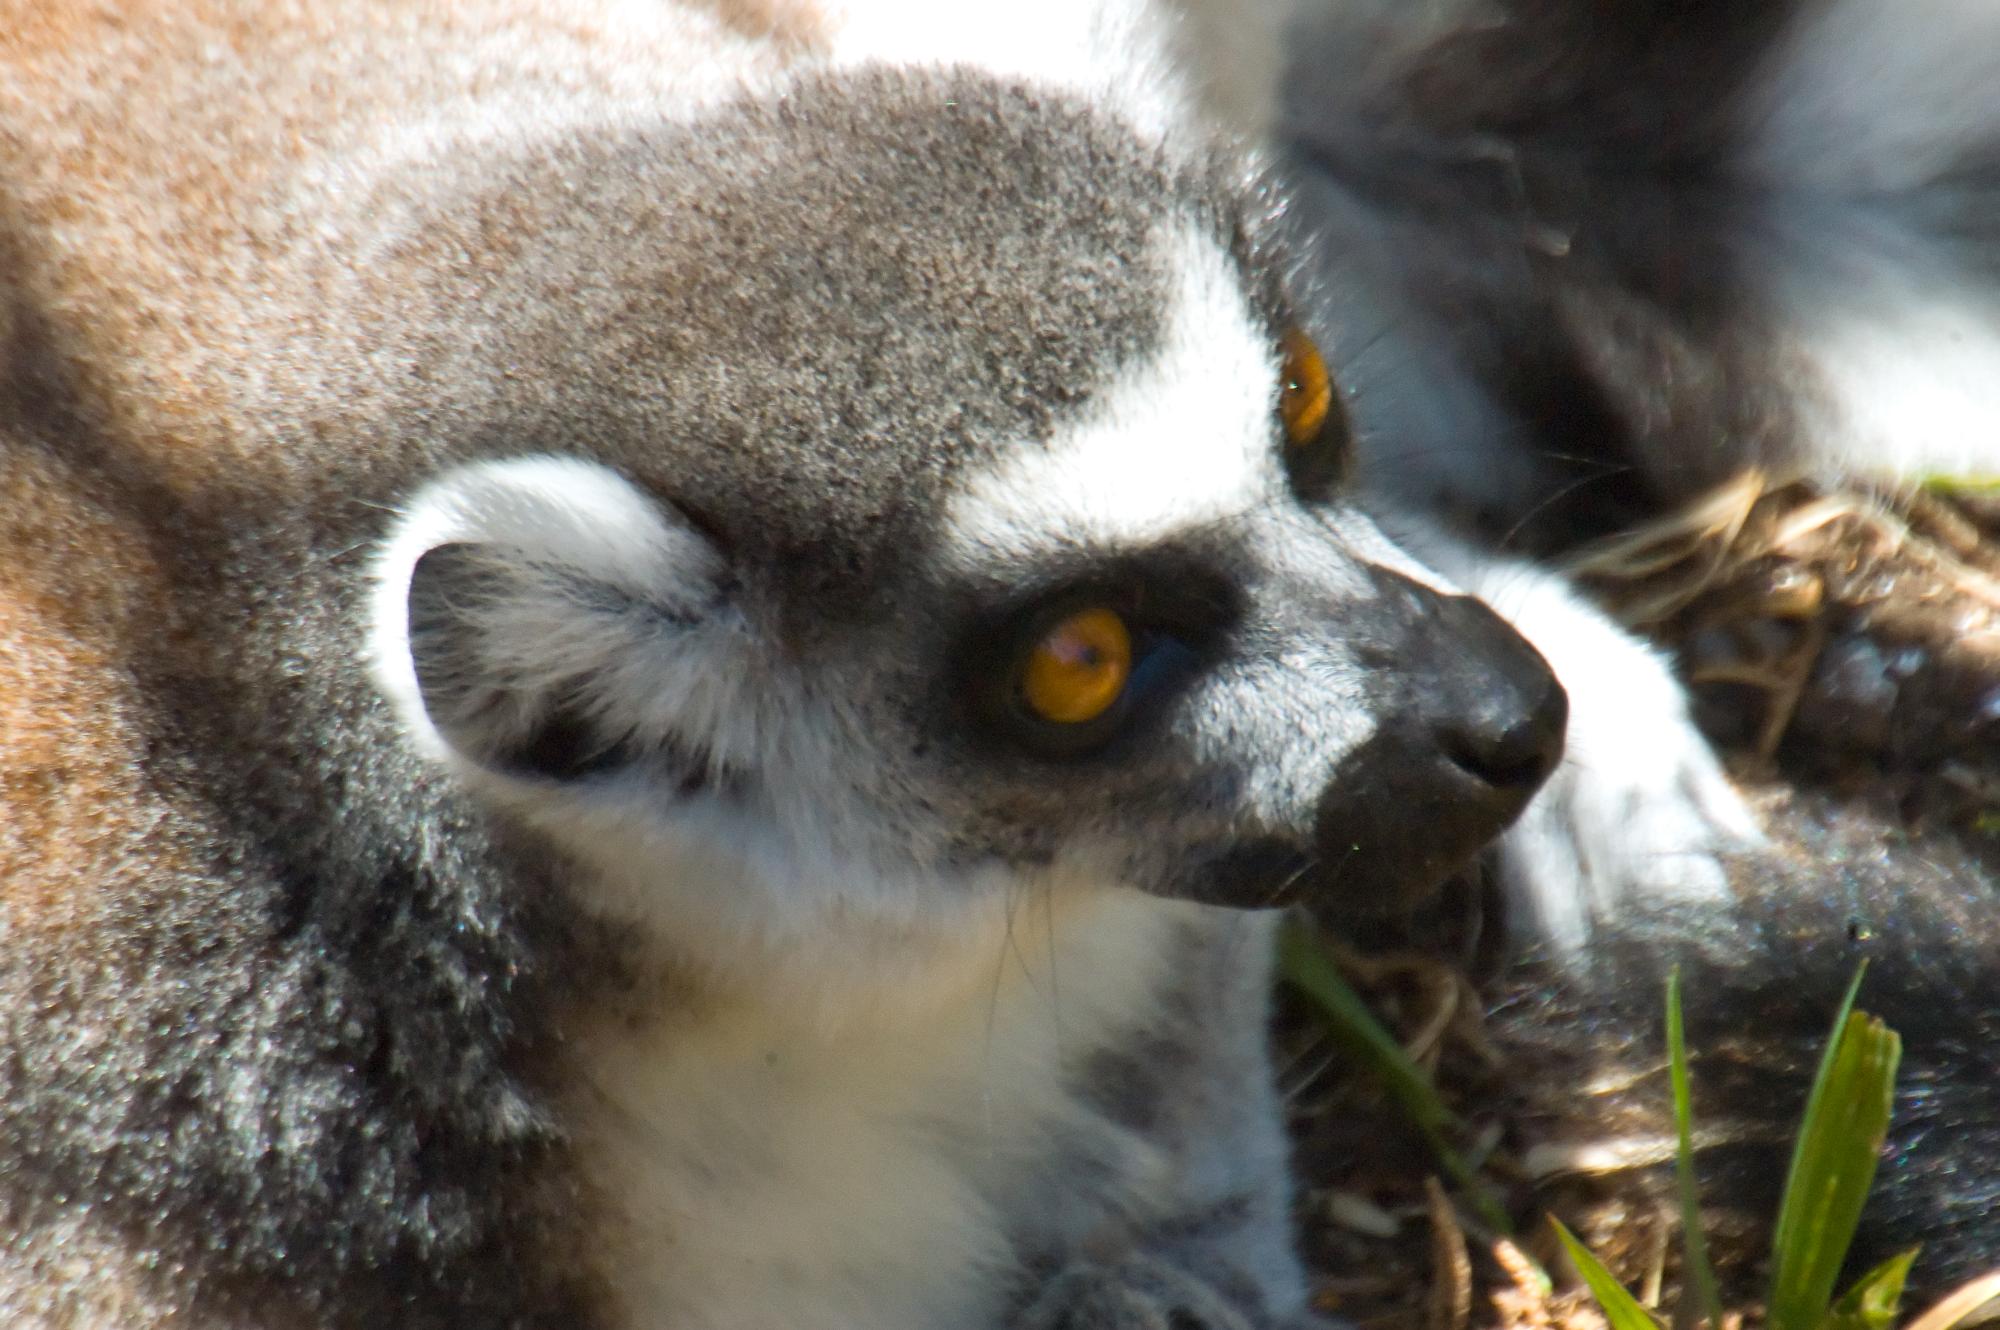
x,y
944,502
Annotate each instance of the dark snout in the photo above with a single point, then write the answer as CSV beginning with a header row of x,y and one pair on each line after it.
x,y
1472,725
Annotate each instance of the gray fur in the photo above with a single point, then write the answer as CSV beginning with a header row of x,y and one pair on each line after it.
x,y
765,339
325,1069
1762,978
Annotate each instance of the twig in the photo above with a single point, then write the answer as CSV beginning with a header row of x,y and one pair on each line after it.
x,y
1960,1303
1451,1263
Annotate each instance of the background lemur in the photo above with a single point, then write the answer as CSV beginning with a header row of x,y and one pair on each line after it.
x,y
638,642
1617,253
1578,262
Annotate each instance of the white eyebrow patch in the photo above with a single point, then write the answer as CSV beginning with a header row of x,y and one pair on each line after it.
x,y
1185,436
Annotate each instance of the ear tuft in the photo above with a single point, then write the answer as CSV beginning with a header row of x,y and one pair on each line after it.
x,y
564,744
516,602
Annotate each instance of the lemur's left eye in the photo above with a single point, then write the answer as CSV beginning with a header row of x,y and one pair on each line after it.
x,y
1305,391
1078,669
1316,441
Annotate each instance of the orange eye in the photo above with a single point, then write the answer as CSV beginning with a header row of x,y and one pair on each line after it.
x,y
1305,394
1079,668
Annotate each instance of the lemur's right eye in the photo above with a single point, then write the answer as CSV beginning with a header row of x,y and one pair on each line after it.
x,y
1077,670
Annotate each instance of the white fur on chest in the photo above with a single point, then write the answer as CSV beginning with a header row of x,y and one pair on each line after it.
x,y
878,1164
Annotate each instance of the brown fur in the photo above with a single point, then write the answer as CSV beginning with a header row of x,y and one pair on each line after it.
x,y
69,775
157,174
156,257
179,213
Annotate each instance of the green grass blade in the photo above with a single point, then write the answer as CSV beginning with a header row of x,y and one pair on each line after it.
x,y
1306,966
1876,1297
1620,1308
1825,1066
1694,1242
1833,1165
1966,484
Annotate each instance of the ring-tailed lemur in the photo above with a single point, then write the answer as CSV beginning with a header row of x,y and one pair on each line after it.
x,y
634,637
638,641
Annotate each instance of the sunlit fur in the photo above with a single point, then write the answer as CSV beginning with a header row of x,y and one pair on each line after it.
x,y
481,848
507,507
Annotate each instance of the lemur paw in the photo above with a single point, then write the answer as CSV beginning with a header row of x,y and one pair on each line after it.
x,y
1639,807
1135,1294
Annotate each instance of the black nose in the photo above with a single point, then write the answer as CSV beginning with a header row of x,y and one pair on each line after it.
x,y
1471,724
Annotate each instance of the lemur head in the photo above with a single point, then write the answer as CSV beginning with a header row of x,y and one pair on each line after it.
x,y
918,489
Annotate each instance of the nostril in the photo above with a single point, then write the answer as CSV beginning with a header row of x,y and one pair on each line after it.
x,y
1473,723
1508,747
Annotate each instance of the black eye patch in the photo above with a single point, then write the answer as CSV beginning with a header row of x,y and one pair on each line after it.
x,y
1177,605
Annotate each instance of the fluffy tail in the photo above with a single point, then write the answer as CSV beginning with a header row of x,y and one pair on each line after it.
x,y
1761,984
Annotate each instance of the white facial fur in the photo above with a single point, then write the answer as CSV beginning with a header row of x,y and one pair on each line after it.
x,y
599,599
1183,439
715,881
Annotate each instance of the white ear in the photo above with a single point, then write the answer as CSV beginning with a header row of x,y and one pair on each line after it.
x,y
507,603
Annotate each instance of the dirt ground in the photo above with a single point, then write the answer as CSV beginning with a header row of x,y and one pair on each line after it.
x,y
1844,652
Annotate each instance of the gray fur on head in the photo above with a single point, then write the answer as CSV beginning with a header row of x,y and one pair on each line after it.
x,y
840,465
